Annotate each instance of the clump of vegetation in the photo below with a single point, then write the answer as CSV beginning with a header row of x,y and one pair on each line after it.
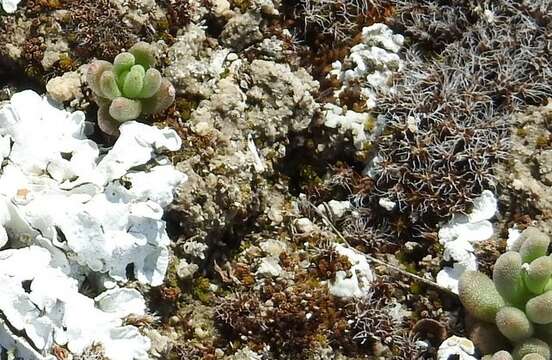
x,y
339,19
128,88
321,31
290,319
178,14
447,116
375,321
447,119
96,29
519,297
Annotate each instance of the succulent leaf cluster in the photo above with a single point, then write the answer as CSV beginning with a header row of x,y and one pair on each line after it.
x,y
128,88
518,299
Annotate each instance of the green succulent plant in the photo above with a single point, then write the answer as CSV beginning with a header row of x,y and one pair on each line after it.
x,y
128,88
518,299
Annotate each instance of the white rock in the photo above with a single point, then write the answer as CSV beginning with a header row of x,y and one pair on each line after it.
x,y
121,302
484,207
194,248
356,282
74,210
448,277
460,229
50,308
220,7
304,225
10,6
157,185
273,247
348,121
66,87
258,162
160,344
269,267
3,236
380,35
387,204
137,144
513,235
186,270
335,209
245,354
457,347
460,233
370,65
373,62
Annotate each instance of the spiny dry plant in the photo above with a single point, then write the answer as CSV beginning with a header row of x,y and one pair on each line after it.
x,y
339,19
447,120
289,319
377,321
97,29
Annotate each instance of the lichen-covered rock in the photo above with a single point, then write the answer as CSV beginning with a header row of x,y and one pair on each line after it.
x,y
193,67
66,87
282,98
239,133
242,30
526,173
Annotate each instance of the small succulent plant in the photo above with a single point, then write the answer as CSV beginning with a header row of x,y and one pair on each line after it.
x,y
518,300
128,88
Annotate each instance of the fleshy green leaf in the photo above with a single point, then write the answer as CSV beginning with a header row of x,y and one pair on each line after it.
x,y
94,73
161,100
143,52
108,85
123,62
152,83
479,296
134,82
123,109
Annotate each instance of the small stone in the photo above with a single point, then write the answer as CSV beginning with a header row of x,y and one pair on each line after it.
x,y
269,267
186,270
65,88
337,209
304,226
387,204
220,7
273,247
202,128
460,347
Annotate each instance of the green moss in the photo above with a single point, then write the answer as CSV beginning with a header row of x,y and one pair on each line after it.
x,y
171,278
66,63
370,123
34,72
521,132
244,245
543,141
416,288
163,24
225,73
309,175
242,4
201,290
185,107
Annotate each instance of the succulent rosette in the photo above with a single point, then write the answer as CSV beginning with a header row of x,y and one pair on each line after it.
x,y
129,88
518,299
